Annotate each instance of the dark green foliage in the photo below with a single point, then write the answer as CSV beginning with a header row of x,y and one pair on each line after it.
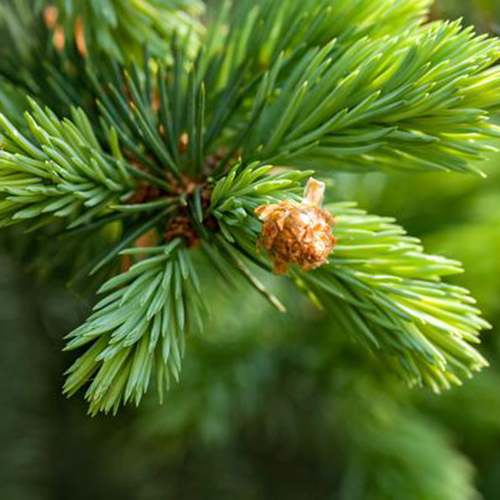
x,y
415,462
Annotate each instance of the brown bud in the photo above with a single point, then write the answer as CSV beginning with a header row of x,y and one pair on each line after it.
x,y
298,233
59,38
50,15
81,44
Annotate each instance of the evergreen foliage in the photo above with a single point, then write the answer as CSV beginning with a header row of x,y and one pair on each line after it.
x,y
120,27
180,150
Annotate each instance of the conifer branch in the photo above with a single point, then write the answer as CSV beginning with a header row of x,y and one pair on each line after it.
x,y
185,147
63,172
397,102
137,333
379,285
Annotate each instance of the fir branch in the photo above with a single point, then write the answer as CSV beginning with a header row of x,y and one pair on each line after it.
x,y
401,102
61,172
378,285
420,100
137,333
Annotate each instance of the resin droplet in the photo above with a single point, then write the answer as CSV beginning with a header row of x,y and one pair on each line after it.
x,y
298,233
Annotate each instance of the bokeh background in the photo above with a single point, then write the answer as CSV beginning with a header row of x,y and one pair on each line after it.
x,y
269,406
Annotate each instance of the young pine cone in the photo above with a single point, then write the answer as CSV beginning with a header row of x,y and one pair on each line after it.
x,y
298,233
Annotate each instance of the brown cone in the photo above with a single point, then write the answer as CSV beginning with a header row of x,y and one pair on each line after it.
x,y
298,233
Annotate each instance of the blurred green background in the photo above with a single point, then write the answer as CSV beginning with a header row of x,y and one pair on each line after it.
x,y
269,406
